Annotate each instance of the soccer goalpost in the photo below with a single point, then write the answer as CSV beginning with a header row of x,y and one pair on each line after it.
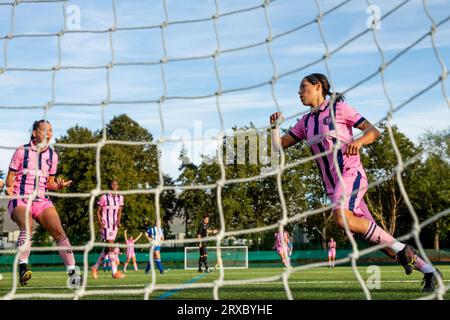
x,y
230,257
233,257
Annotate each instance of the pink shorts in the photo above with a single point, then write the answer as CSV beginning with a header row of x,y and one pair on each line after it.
x,y
37,207
332,253
355,188
109,233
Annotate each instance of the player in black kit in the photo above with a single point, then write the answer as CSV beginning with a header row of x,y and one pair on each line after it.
x,y
202,232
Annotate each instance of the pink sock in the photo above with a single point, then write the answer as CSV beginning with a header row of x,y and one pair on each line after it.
x,y
67,254
112,259
422,266
377,235
24,245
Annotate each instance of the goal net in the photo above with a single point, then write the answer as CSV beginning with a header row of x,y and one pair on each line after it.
x,y
233,257
168,64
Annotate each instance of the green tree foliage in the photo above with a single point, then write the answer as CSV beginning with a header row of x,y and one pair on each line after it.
x,y
384,200
432,185
133,166
253,204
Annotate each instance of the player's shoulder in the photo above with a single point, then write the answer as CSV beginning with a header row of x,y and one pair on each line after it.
x,y
301,121
23,147
343,106
52,149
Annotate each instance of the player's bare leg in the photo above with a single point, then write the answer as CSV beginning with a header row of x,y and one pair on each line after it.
x,y
50,220
23,242
116,274
135,264
404,254
126,264
283,257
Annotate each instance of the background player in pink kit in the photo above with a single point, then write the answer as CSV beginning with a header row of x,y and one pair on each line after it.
x,y
322,132
331,252
130,251
282,246
109,214
33,167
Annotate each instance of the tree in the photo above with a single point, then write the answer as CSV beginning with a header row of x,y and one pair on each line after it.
x,y
384,200
432,182
134,166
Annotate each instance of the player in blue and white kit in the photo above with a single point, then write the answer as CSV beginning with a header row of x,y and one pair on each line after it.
x,y
155,233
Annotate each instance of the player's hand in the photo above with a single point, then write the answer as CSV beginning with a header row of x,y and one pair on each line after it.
x,y
353,148
63,183
274,117
9,191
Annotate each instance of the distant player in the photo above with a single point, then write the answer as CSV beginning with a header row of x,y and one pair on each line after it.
x,y
202,232
29,160
322,128
155,233
282,247
109,215
331,252
290,244
130,251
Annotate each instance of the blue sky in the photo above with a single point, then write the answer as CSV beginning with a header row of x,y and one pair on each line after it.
x,y
198,118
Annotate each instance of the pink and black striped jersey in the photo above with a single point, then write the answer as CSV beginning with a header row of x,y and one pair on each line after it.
x,y
322,133
27,162
110,204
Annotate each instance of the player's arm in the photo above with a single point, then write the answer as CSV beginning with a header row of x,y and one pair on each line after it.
x,y
57,184
199,237
119,216
285,141
148,237
125,235
2,183
136,240
99,217
370,135
9,182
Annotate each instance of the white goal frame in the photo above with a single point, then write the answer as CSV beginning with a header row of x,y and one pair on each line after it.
x,y
224,248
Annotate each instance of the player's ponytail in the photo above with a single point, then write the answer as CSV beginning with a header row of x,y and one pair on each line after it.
x,y
315,78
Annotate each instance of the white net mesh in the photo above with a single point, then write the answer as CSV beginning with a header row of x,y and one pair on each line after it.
x,y
219,91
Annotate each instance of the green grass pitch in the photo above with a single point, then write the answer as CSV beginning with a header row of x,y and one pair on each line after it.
x,y
322,283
